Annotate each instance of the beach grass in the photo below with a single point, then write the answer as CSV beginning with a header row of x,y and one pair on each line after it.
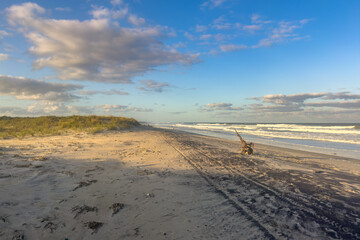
x,y
52,125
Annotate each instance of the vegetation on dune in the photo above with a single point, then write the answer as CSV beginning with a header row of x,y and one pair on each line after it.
x,y
52,125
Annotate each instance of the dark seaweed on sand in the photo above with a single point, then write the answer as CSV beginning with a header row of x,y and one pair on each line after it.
x,y
84,184
81,209
116,207
94,225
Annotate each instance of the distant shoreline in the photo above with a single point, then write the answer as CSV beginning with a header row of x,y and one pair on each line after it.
x,y
332,140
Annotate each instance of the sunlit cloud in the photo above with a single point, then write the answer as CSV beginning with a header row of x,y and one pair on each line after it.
x,y
4,57
63,9
122,108
152,86
4,34
94,49
302,101
137,21
219,107
201,28
109,92
232,47
30,89
284,31
212,3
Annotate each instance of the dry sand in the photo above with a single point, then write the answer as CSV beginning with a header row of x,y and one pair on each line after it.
x,y
155,184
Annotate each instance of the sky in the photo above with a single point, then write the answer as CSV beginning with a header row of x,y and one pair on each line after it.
x,y
182,61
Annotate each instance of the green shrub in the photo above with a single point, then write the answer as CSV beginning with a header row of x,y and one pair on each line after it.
x,y
52,125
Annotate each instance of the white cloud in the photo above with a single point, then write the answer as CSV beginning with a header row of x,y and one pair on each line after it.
x,y
12,111
100,12
252,27
95,49
109,92
292,98
219,107
60,109
221,23
152,86
3,57
232,47
270,32
116,2
4,34
338,104
201,28
63,9
342,95
256,18
118,14
137,21
108,108
283,32
213,3
205,36
189,36
30,89
302,101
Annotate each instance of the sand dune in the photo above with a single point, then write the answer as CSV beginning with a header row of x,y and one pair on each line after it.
x,y
155,184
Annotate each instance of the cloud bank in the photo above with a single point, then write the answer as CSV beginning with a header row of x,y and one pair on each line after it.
x,y
152,86
219,107
98,49
30,89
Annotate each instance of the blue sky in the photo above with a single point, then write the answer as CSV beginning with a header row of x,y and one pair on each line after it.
x,y
157,61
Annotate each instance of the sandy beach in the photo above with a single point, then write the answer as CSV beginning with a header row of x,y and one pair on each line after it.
x,y
148,183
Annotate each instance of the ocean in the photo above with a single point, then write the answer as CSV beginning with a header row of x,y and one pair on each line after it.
x,y
333,139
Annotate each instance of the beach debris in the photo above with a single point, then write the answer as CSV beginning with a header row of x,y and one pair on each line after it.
x,y
23,165
69,173
137,231
145,172
39,158
116,207
18,235
4,175
150,195
84,184
4,218
94,225
246,148
94,169
50,225
81,209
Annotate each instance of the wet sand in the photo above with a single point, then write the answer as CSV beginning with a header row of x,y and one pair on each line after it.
x,y
155,184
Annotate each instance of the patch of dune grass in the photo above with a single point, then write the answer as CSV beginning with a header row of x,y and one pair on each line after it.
x,y
52,125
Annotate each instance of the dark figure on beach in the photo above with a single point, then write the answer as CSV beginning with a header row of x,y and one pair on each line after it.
x,y
246,148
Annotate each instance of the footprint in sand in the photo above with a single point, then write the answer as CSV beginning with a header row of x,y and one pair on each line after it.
x,y
94,225
84,184
18,235
97,168
145,172
116,207
39,158
83,209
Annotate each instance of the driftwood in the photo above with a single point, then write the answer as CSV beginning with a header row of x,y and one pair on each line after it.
x,y
246,148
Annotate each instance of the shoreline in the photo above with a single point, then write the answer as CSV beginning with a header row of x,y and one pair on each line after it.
x,y
160,184
284,149
335,148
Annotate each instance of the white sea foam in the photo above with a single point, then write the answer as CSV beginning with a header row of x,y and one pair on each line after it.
x,y
340,140
339,134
